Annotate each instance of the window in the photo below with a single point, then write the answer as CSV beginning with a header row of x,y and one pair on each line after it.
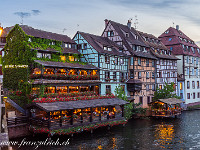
x,y
171,48
109,49
192,71
181,86
116,61
197,61
78,46
192,60
197,84
105,48
188,84
193,95
121,75
170,39
47,56
188,71
153,63
147,62
187,59
85,45
39,55
147,75
139,75
114,75
139,61
148,99
71,58
147,87
107,75
188,95
131,61
160,74
166,32
107,59
108,89
160,87
196,72
141,100
153,87
193,84
131,74
127,35
110,33
63,58
121,61
198,95
168,74
153,75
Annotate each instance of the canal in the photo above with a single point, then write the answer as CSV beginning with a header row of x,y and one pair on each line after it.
x,y
142,134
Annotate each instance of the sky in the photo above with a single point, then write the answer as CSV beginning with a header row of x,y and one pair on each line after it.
x,y
69,16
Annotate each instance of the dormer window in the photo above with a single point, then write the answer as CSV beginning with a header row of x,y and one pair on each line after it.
x,y
105,48
166,32
170,39
39,55
69,46
127,35
85,45
136,37
109,49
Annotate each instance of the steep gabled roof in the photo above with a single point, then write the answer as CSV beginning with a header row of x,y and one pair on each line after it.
x,y
40,34
132,39
172,38
98,42
155,43
45,35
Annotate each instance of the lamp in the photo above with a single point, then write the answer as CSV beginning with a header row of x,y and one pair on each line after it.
x,y
1,30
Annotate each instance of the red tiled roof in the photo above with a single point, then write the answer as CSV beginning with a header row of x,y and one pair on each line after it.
x,y
176,43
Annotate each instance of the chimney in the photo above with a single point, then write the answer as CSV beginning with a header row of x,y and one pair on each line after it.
x,y
129,24
177,27
106,22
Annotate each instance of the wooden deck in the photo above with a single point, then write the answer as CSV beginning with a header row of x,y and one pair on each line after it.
x,y
165,114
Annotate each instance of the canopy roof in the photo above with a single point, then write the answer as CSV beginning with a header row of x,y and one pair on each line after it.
x,y
171,101
55,106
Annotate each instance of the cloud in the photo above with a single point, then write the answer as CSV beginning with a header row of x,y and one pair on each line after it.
x,y
23,14
35,12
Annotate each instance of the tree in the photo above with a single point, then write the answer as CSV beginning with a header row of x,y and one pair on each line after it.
x,y
166,92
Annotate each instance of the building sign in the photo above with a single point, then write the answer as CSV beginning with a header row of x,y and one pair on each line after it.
x,y
16,66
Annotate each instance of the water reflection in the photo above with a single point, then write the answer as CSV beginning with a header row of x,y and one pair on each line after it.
x,y
141,134
164,135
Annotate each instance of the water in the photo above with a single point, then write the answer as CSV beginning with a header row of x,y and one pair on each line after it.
x,y
139,134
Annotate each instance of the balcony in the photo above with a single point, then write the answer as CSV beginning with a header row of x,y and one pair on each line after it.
x,y
134,85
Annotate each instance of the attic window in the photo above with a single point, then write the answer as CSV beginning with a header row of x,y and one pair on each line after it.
x,y
127,35
170,39
105,48
136,37
109,49
166,32
110,33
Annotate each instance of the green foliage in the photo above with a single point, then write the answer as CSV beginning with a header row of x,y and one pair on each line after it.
x,y
166,92
43,44
132,108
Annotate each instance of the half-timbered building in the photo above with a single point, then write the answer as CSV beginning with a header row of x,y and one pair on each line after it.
x,y
166,64
142,65
66,90
106,55
188,64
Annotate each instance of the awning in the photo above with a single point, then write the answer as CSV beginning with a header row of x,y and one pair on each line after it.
x,y
56,106
171,101
65,65
134,81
